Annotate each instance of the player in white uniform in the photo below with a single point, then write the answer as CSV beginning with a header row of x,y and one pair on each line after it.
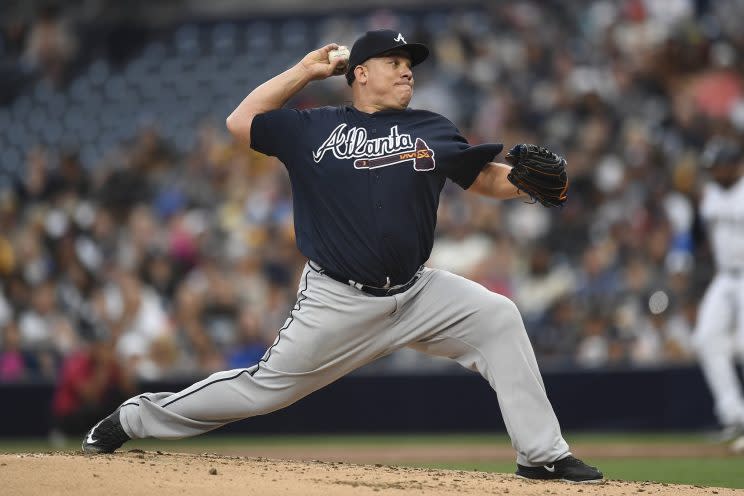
x,y
719,333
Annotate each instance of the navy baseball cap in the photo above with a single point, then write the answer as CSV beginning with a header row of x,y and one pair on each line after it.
x,y
374,43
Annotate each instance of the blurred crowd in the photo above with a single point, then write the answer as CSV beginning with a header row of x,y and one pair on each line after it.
x,y
158,262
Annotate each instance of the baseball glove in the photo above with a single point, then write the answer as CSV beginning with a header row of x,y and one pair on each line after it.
x,y
538,172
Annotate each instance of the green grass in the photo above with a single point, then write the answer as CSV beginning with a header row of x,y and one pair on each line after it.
x,y
215,441
710,471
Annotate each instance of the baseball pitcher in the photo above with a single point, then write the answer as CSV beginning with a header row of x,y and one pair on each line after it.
x,y
366,180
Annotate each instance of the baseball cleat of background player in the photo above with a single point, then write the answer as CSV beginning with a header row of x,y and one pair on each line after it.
x,y
568,469
106,436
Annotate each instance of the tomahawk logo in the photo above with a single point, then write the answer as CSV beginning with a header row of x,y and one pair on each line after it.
x,y
421,155
395,148
400,38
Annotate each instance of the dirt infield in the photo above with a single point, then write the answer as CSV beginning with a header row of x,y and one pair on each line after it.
x,y
138,472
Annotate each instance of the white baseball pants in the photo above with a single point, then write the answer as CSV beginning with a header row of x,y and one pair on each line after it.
x,y
718,340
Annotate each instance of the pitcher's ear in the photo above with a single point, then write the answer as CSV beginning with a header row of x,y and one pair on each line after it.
x,y
360,73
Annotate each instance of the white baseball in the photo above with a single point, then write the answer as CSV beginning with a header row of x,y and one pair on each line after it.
x,y
341,52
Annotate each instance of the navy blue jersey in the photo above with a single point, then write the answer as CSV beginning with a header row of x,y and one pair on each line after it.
x,y
366,187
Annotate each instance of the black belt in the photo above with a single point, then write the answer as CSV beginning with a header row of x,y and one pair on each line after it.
x,y
386,290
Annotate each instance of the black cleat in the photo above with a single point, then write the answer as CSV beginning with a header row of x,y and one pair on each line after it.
x,y
106,436
567,469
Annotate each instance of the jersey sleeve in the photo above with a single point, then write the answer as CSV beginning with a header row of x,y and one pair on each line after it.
x,y
270,131
460,161
470,161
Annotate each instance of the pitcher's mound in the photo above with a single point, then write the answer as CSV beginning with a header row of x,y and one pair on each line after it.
x,y
149,473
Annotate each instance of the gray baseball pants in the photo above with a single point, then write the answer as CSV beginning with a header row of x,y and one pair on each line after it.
x,y
335,328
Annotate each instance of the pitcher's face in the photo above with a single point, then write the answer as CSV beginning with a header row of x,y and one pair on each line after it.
x,y
389,80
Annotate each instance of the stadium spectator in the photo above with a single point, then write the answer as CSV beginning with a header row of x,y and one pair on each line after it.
x,y
91,382
45,334
50,45
12,361
251,345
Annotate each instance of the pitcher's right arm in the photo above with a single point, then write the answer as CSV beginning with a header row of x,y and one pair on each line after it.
x,y
275,92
